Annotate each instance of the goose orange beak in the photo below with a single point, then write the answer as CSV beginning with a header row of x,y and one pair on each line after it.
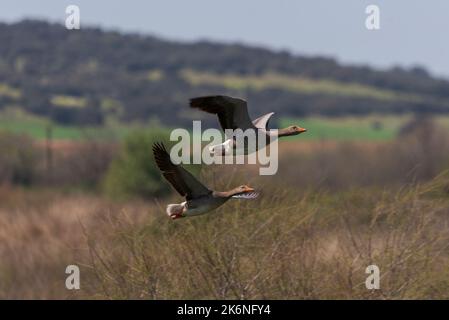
x,y
301,130
248,189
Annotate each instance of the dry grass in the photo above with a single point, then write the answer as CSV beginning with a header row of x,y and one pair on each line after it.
x,y
41,232
304,238
285,246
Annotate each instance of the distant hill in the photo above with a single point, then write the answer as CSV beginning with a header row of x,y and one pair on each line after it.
x,y
86,76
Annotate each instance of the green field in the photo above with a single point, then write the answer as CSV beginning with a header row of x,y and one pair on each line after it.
x,y
349,128
38,130
369,128
16,121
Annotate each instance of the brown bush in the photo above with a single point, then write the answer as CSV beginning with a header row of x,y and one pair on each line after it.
x,y
417,156
18,159
84,165
285,248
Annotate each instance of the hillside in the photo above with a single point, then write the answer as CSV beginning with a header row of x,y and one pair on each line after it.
x,y
85,77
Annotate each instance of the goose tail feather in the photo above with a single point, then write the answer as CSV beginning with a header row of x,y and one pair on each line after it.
x,y
175,210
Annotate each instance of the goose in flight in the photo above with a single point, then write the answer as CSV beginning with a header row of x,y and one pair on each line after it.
x,y
233,114
199,199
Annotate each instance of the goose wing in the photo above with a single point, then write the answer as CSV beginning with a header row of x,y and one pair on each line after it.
x,y
182,180
262,122
232,112
251,195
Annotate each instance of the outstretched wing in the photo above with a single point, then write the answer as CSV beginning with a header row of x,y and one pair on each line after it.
x,y
262,122
232,112
251,195
182,180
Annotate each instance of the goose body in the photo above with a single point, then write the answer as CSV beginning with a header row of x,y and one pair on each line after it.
x,y
233,114
199,199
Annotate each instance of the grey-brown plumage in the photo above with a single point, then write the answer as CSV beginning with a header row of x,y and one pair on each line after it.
x,y
199,199
233,114
182,180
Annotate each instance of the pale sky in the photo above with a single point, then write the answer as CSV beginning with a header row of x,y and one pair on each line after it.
x,y
413,32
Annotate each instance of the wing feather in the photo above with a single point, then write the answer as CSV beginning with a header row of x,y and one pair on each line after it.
x,y
232,112
182,180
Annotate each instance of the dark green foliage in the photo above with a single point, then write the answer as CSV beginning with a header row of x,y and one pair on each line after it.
x,y
43,60
134,172
18,159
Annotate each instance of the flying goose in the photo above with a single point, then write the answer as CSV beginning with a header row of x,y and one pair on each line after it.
x,y
199,199
233,114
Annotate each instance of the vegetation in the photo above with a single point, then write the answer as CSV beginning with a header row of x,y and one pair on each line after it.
x,y
18,159
298,84
286,246
368,128
73,78
283,247
79,112
14,120
68,101
134,172
330,211
349,128
10,92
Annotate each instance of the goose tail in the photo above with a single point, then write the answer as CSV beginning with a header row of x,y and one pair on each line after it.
x,y
175,210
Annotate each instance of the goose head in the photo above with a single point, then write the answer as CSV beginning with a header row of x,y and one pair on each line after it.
x,y
291,131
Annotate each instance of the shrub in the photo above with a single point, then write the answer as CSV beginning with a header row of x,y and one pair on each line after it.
x,y
134,172
282,246
84,165
18,159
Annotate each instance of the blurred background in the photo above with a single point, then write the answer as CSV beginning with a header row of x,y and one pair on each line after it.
x,y
80,109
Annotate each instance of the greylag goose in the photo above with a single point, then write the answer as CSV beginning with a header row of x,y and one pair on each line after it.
x,y
233,114
199,199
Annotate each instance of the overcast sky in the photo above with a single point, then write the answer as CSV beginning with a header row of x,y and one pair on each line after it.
x,y
412,32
